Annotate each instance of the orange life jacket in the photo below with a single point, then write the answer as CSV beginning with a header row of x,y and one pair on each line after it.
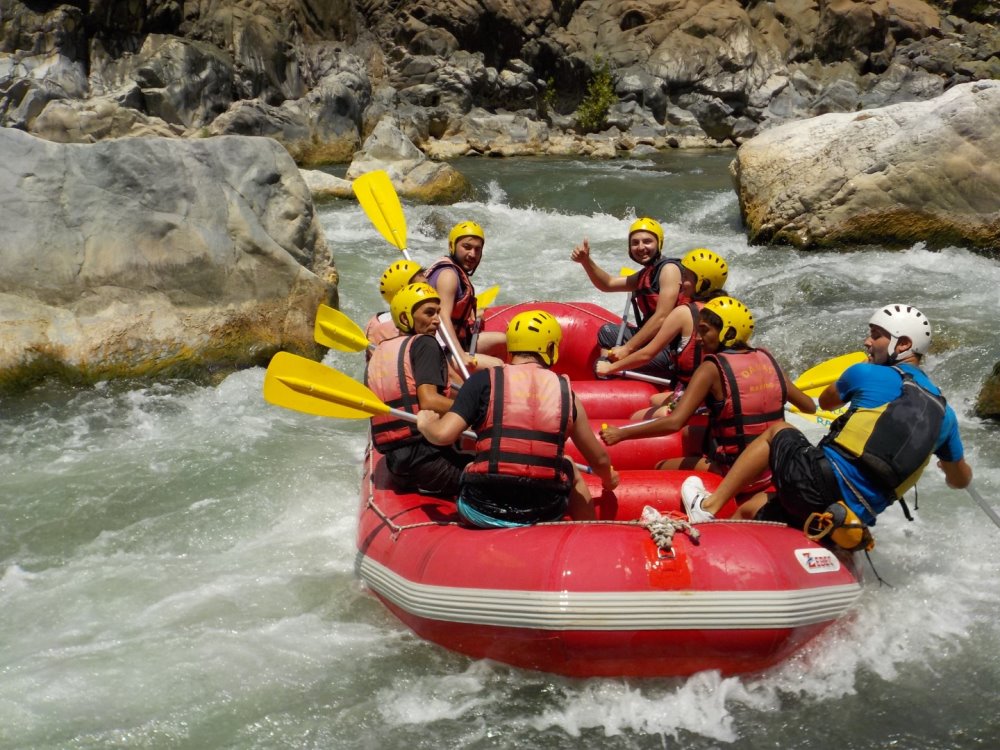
x,y
647,293
754,396
686,360
529,416
390,376
379,329
463,311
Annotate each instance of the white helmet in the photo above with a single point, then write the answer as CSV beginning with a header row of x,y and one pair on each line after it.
x,y
903,320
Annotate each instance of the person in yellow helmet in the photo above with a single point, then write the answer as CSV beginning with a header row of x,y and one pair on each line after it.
x,y
743,388
655,292
703,275
523,414
398,275
451,275
409,372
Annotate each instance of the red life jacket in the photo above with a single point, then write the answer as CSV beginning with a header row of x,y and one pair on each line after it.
x,y
647,293
390,376
379,329
754,396
686,360
529,416
463,311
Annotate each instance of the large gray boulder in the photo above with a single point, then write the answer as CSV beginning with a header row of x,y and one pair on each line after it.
x,y
919,171
154,257
413,174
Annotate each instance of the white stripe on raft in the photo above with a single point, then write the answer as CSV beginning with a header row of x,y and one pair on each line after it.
x,y
610,610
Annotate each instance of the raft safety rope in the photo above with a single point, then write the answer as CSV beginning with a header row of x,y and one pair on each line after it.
x,y
662,528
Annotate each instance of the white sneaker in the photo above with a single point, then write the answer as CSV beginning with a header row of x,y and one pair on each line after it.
x,y
693,494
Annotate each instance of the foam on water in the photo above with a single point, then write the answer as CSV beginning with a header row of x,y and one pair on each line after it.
x,y
178,561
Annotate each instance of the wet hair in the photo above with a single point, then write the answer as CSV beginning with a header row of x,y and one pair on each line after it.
x,y
710,318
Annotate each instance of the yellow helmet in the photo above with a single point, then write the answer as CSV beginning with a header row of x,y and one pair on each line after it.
x,y
737,320
646,224
396,276
535,331
709,269
464,229
406,301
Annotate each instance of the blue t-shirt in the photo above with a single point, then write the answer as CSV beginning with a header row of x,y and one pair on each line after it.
x,y
866,386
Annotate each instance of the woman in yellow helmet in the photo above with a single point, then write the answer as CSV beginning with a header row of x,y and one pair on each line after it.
x,y
743,388
655,291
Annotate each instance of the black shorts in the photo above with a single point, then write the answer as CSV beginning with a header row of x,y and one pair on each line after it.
x,y
435,470
661,365
803,478
516,499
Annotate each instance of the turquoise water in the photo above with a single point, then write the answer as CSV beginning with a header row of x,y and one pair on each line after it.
x,y
176,561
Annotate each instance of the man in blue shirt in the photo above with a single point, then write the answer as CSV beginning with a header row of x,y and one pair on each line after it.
x,y
868,459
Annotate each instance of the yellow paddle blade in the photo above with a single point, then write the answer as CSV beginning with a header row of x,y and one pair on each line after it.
x,y
625,271
378,198
335,330
819,377
298,383
821,417
486,297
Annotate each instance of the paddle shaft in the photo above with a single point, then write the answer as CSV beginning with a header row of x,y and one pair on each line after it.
x,y
633,375
475,336
981,502
456,354
624,325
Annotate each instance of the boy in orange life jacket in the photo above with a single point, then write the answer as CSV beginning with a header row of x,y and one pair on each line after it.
x,y
523,413
395,277
655,291
703,274
452,277
409,372
744,389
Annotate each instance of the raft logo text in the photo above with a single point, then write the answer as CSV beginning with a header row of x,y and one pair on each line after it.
x,y
817,560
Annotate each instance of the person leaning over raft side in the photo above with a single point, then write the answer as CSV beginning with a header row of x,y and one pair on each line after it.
x,y
872,454
523,413
395,277
451,275
703,274
655,291
744,389
409,372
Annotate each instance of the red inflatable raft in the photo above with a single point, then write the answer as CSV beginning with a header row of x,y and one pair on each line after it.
x,y
632,594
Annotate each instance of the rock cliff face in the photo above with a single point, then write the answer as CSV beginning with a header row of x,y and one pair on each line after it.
x,y
318,76
154,257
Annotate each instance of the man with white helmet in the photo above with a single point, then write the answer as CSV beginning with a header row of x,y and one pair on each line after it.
x,y
522,413
897,418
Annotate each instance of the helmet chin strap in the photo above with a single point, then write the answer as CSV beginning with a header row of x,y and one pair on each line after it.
x,y
897,357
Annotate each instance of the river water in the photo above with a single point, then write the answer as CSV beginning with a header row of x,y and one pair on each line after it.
x,y
176,561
